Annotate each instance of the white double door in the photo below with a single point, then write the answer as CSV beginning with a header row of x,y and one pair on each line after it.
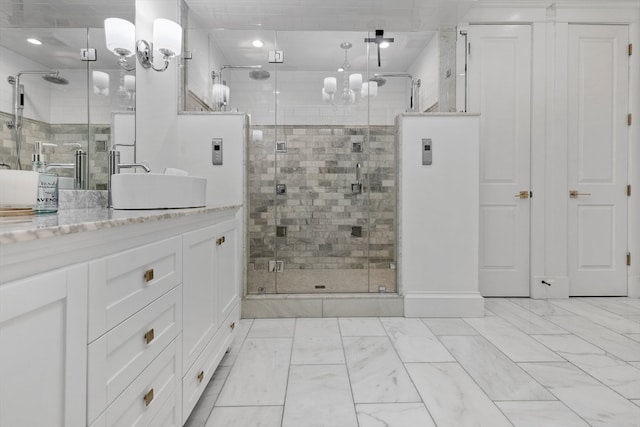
x,y
500,78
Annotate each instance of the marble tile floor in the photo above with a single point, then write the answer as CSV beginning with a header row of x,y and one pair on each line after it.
x,y
528,363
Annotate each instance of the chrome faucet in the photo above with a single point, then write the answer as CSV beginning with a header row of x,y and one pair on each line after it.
x,y
80,171
114,168
60,166
146,168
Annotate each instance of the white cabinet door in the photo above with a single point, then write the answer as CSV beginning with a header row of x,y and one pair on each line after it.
x,y
500,90
43,350
228,274
210,287
199,292
598,147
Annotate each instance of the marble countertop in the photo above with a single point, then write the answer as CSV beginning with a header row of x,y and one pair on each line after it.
x,y
69,221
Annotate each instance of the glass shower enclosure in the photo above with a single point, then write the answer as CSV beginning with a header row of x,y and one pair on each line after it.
x,y
321,178
321,196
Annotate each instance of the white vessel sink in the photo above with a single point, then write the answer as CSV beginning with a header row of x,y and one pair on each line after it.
x,y
157,191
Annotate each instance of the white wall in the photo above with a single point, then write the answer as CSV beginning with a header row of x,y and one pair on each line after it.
x,y
166,139
225,184
69,102
157,134
299,99
439,211
426,67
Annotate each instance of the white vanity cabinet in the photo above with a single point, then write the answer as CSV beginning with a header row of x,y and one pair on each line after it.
x,y
129,333
211,293
43,346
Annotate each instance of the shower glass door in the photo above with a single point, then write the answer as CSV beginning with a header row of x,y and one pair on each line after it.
x,y
322,202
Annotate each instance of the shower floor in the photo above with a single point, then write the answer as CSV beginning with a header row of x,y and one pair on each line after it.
x,y
307,281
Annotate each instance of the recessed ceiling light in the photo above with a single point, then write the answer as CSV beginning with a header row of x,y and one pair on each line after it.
x,y
34,41
384,45
257,43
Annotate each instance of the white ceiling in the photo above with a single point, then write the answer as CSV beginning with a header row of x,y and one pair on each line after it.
x,y
62,13
330,15
309,31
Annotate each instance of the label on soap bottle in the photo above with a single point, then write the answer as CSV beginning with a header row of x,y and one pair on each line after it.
x,y
47,193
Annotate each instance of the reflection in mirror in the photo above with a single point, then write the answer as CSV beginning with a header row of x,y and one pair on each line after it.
x,y
62,90
228,73
222,32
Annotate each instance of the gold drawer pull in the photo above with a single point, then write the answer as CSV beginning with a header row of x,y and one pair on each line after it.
x,y
220,240
148,275
201,376
149,336
232,326
148,397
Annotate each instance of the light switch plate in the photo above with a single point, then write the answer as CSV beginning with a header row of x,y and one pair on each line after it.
x,y
216,151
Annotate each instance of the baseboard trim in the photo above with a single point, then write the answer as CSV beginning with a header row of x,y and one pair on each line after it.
x,y
423,304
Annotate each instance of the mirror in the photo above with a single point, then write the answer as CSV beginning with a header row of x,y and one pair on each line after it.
x,y
220,33
86,106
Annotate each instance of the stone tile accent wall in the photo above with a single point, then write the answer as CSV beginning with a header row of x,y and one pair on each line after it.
x,y
33,130
319,209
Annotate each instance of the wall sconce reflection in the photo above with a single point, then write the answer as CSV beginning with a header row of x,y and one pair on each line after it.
x,y
100,83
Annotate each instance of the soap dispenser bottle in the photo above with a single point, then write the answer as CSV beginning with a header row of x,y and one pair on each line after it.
x,y
47,201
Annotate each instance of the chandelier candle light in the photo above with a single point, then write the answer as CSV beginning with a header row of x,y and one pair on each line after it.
x,y
351,86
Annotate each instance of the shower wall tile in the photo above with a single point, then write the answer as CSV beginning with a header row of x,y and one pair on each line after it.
x,y
319,208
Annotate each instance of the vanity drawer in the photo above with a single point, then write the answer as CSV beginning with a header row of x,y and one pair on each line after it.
x,y
146,398
117,357
198,376
122,284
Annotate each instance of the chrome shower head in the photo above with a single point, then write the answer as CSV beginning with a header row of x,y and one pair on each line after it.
x,y
259,74
380,80
55,78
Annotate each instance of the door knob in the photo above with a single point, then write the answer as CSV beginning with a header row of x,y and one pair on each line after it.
x,y
574,194
522,195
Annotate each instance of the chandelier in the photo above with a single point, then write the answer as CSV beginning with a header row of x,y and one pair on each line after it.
x,y
353,89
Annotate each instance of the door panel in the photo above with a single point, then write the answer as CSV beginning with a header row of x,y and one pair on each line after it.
x,y
500,90
500,224
596,239
598,147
